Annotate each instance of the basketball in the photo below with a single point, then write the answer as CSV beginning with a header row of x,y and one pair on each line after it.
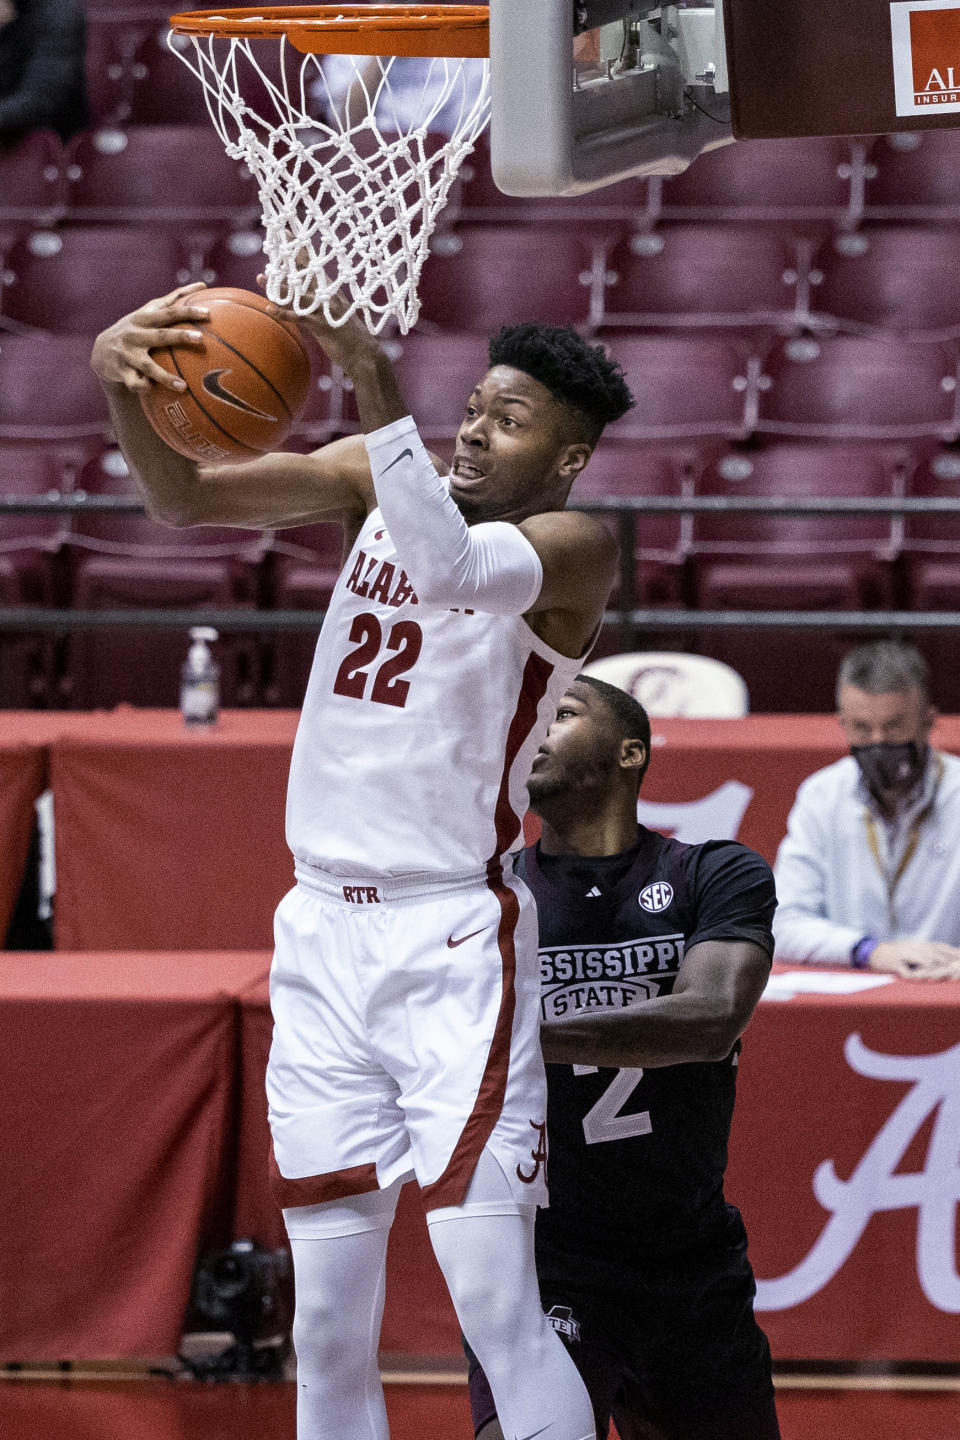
x,y
245,388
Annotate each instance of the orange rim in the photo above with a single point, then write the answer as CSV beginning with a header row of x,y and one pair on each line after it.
x,y
427,30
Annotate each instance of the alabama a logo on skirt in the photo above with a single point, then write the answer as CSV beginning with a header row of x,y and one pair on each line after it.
x,y
926,55
877,1183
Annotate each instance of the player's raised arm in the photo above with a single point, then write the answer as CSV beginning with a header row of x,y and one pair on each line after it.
x,y
280,489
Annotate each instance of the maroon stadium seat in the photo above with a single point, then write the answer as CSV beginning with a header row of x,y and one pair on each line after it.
x,y
934,536
812,178
112,66
785,670
158,174
304,581
77,281
24,659
934,584
437,375
164,91
782,562
130,561
799,471
48,391
618,469
236,259
706,276
132,76
685,387
32,179
111,667
329,410
30,547
890,279
30,541
858,388
481,277
915,175
125,536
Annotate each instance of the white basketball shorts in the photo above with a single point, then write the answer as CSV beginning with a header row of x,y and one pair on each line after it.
x,y
406,1037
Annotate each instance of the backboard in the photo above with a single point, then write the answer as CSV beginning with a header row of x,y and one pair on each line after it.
x,y
587,93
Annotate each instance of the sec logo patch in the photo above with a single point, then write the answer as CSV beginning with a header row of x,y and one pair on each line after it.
x,y
656,897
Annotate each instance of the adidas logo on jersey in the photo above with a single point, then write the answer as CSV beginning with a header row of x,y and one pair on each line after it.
x,y
593,893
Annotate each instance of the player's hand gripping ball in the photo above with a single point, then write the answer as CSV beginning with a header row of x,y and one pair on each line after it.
x,y
246,386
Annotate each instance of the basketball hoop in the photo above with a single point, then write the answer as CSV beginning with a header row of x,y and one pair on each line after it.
x,y
353,149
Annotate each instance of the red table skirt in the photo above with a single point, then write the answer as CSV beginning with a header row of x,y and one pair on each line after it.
x,y
172,839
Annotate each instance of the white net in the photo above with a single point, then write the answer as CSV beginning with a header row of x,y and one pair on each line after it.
x,y
354,157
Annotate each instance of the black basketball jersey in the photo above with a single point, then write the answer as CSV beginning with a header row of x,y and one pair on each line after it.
x,y
636,1156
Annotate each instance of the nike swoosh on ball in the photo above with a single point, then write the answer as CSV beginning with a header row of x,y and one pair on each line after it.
x,y
214,386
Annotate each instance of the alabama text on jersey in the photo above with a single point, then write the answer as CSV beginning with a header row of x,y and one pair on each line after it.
x,y
419,727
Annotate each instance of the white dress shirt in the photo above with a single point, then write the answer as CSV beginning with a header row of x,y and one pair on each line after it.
x,y
843,872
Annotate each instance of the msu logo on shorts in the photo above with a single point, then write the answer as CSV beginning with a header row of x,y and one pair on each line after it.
x,y
656,896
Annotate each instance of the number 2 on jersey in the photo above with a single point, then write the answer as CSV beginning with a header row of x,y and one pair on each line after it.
x,y
366,634
603,1121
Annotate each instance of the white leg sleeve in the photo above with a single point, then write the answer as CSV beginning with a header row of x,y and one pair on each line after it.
x,y
339,1266
491,566
487,1262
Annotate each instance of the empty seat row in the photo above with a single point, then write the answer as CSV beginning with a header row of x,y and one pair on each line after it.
x,y
174,161
98,561
691,388
686,388
104,667
687,278
157,174
620,477
877,280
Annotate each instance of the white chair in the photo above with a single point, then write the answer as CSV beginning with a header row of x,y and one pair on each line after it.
x,y
668,683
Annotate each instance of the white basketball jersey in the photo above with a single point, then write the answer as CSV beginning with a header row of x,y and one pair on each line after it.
x,y
418,729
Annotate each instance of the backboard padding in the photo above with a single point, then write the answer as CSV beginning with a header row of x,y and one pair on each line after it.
x,y
806,67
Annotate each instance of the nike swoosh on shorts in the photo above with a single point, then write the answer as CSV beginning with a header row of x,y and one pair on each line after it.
x,y
452,944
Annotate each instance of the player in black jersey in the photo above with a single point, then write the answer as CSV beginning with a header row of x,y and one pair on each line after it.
x,y
653,955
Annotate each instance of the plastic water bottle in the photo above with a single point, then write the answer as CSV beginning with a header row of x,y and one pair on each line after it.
x,y
200,680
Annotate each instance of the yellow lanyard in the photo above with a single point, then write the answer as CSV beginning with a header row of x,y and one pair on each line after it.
x,y
913,839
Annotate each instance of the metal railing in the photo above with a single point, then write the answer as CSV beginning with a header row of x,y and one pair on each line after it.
x,y
63,621
80,501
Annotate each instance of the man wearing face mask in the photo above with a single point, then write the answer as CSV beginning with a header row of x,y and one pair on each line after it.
x,y
869,871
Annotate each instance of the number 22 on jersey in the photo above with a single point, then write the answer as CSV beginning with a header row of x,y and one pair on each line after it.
x,y
404,638
603,1121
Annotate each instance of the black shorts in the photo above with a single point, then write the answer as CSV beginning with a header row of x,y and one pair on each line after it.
x,y
668,1351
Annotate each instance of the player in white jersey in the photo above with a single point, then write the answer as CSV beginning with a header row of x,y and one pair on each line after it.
x,y
404,986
